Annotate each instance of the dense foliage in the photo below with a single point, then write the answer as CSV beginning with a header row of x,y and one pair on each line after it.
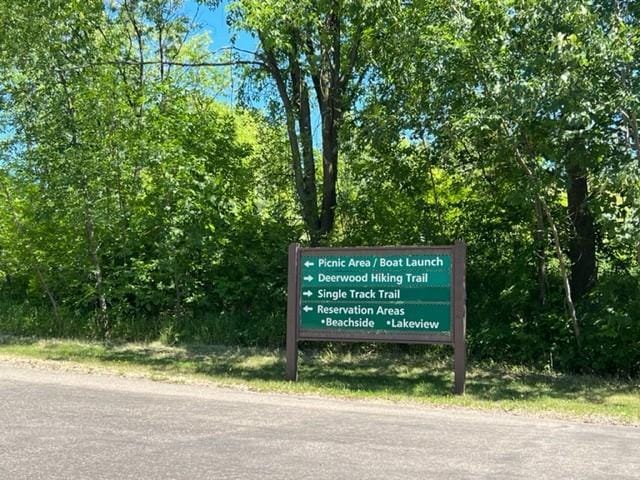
x,y
136,204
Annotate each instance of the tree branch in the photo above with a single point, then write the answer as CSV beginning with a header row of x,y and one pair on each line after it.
x,y
172,63
354,51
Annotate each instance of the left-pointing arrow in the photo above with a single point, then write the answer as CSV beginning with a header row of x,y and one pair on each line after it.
x,y
309,264
307,308
308,278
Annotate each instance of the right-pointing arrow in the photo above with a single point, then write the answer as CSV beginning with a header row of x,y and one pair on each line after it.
x,y
307,293
308,278
307,308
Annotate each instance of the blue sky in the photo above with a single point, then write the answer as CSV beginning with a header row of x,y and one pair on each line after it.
x,y
214,22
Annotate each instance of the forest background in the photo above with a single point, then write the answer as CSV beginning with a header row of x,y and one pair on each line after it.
x,y
150,184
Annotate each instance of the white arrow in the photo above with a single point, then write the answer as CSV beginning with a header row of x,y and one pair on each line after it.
x,y
307,293
307,308
308,278
309,264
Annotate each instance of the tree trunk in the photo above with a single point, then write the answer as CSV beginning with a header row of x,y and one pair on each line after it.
x,y
541,258
582,245
297,110
330,175
331,102
92,247
566,282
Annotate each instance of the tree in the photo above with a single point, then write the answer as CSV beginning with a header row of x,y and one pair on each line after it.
x,y
320,47
124,178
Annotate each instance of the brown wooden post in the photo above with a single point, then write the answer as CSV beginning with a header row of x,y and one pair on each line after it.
x,y
459,315
292,313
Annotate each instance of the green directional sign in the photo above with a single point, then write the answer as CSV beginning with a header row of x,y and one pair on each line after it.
x,y
410,292
378,294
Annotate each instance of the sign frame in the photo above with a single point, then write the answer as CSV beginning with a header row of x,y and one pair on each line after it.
x,y
296,334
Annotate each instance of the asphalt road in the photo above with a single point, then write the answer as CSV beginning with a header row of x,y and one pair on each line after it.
x,y
62,425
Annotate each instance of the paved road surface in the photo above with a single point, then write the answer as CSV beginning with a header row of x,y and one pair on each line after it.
x,y
61,425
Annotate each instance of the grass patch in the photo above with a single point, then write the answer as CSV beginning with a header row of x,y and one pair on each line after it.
x,y
425,378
